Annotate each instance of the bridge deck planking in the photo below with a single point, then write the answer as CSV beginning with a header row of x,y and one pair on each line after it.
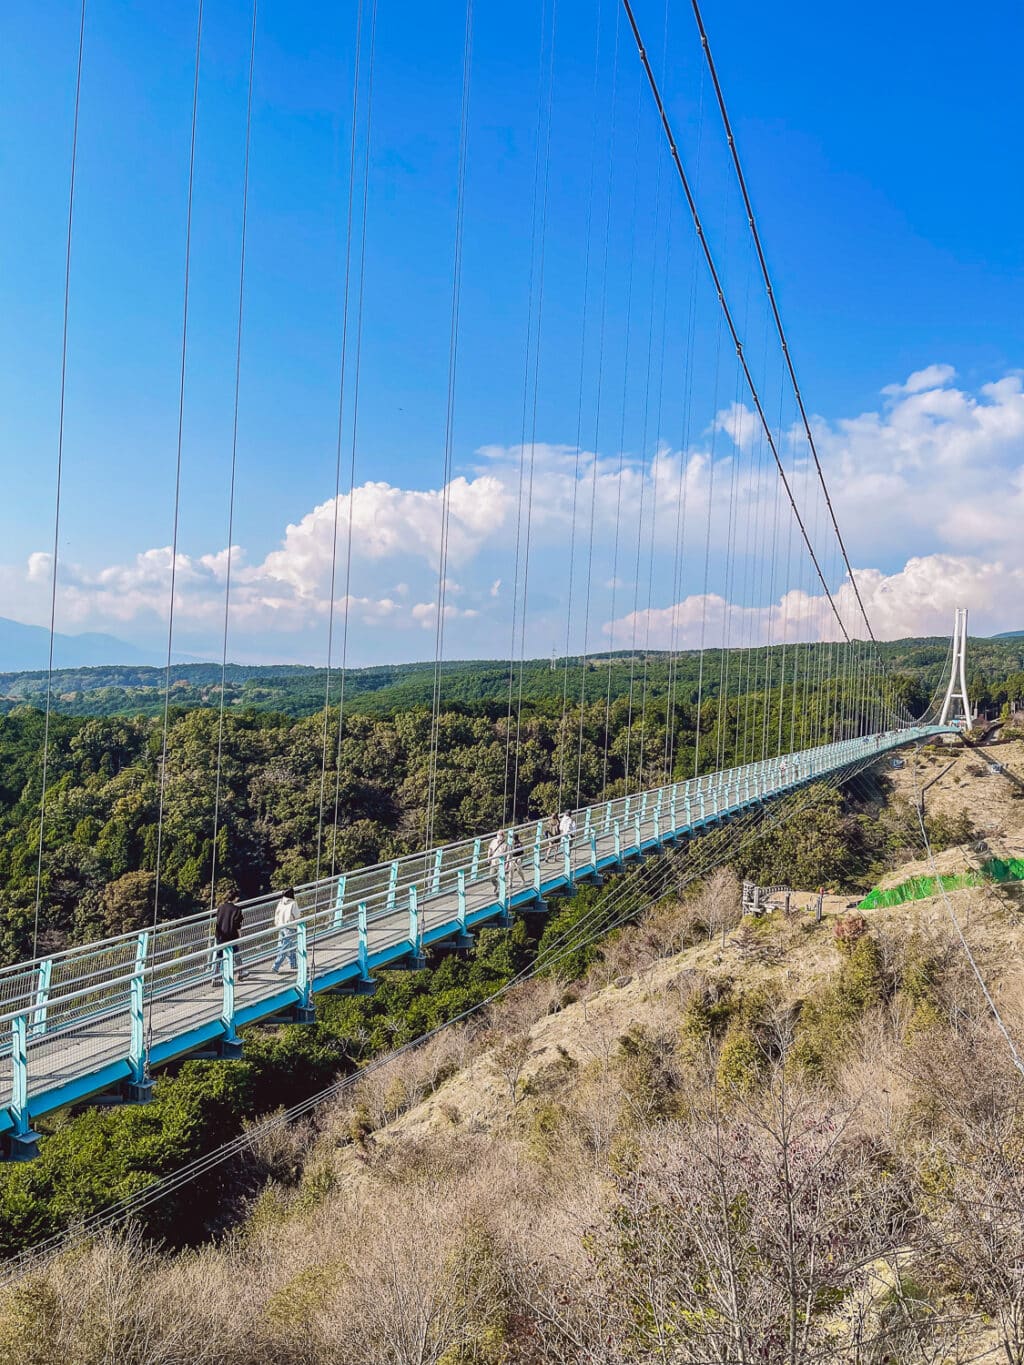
x,y
67,1063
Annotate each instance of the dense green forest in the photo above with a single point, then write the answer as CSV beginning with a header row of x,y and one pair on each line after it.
x,y
640,724
385,689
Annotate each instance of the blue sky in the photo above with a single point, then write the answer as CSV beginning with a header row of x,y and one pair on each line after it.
x,y
881,150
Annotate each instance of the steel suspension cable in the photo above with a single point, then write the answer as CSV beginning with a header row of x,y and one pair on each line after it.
x,y
234,459
339,441
563,747
511,765
449,429
627,338
354,448
549,108
683,488
177,502
59,476
584,658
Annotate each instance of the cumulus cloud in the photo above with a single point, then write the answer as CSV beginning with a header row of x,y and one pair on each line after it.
x,y
929,490
918,600
931,377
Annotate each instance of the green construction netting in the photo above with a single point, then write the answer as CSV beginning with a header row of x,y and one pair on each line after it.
x,y
995,870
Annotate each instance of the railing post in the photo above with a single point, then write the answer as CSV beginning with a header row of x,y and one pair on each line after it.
x,y
700,801
414,920
639,833
392,885
586,822
618,841
42,995
137,1047
437,870
593,850
462,899
503,881
673,813
607,817
19,1073
536,867
227,975
339,902
567,841
474,867
364,947
302,982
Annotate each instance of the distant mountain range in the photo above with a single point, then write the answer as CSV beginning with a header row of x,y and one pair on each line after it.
x,y
1009,635
27,647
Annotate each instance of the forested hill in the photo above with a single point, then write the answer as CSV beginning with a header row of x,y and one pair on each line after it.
x,y
997,674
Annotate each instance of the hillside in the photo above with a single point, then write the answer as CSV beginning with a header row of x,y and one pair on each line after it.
x,y
774,1140
133,688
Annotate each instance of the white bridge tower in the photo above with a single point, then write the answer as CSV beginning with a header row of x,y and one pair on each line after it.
x,y
956,689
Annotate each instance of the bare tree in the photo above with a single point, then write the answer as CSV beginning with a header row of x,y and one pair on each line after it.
x,y
510,1059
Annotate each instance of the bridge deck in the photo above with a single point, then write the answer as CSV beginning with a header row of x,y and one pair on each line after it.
x,y
92,1017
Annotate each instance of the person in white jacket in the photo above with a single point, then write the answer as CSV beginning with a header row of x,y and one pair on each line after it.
x,y
496,850
285,915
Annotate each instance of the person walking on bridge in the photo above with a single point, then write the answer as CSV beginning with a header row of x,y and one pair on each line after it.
x,y
285,915
516,854
495,854
551,832
227,929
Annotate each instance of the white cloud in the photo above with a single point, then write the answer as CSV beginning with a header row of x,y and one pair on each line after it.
x,y
740,423
931,377
929,491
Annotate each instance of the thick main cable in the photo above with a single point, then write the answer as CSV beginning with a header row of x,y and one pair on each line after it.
x,y
763,263
723,304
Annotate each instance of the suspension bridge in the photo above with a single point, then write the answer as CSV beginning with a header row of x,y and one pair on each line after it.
x,y
735,550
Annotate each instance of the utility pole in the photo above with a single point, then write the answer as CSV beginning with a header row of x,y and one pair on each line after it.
x,y
956,689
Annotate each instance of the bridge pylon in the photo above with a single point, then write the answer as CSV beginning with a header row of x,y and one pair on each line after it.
x,y
956,688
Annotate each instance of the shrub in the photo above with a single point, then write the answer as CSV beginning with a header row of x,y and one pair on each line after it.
x,y
823,1026
707,1009
644,1065
741,1061
848,930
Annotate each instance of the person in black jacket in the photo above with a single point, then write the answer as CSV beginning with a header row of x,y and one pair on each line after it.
x,y
227,929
